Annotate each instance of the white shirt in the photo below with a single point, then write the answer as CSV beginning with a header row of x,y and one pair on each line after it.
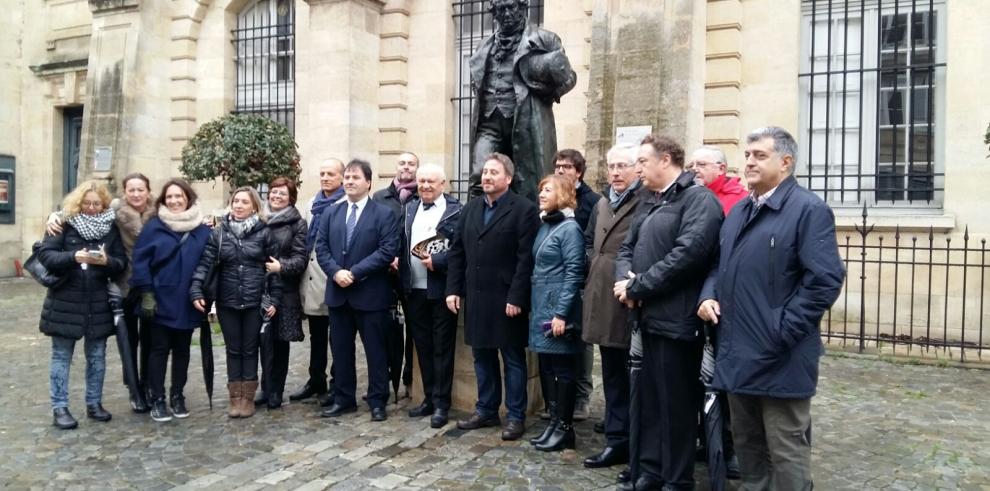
x,y
360,208
423,227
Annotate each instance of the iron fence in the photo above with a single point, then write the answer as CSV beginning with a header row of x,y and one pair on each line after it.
x,y
916,294
473,23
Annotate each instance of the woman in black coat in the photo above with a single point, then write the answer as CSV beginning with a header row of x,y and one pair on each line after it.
x,y
289,229
87,255
239,247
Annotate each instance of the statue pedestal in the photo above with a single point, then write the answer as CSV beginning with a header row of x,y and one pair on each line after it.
x,y
465,390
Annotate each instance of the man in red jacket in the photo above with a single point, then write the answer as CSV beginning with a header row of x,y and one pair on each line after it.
x,y
710,166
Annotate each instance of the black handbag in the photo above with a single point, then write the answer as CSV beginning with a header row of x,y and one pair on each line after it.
x,y
39,272
211,285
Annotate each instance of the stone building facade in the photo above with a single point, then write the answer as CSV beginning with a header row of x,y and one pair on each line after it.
x,y
888,98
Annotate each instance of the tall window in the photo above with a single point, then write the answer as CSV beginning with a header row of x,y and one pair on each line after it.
x,y
473,23
264,44
872,81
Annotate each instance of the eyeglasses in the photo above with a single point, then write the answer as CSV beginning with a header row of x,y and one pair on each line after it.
x,y
92,204
620,165
278,192
701,164
563,166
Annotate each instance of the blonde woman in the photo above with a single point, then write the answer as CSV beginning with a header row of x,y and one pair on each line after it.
x,y
87,254
239,246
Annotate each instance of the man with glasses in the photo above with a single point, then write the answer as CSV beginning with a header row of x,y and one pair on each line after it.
x,y
604,319
709,164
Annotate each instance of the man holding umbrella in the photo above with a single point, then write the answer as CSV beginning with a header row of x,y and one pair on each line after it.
x,y
778,271
661,268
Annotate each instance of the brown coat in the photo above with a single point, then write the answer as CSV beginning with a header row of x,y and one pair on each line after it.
x,y
604,319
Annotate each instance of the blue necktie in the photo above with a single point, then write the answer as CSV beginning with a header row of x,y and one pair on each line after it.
x,y
351,223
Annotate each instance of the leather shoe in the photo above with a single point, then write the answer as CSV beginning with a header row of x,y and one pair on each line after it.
x,y
624,476
644,483
607,458
62,419
378,414
325,400
96,412
337,410
305,392
513,430
599,427
439,418
478,421
424,409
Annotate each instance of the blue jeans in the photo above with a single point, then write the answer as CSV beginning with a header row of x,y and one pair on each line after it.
x,y
489,373
96,369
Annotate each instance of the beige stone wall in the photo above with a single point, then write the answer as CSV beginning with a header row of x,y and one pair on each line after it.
x,y
572,22
11,68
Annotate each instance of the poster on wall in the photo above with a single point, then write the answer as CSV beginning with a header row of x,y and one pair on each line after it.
x,y
632,134
4,191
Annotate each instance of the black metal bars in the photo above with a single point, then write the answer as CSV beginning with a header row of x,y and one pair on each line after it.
x,y
871,94
264,47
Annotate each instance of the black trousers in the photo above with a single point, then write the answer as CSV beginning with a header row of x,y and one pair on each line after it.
x,y
280,368
241,328
433,328
560,368
345,324
668,415
319,341
615,382
165,340
137,336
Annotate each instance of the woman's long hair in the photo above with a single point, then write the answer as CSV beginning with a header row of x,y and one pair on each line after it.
x,y
72,204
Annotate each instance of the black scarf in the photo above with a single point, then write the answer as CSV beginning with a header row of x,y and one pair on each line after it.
x,y
507,41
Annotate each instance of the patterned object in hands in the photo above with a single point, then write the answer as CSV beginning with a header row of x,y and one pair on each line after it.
x,y
434,245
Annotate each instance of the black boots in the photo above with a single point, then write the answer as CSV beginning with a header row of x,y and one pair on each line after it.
x,y
97,413
159,412
563,433
551,425
178,403
62,419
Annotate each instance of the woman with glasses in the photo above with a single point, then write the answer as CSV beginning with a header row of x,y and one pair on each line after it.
x,y
86,255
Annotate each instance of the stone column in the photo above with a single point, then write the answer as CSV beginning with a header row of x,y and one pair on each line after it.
x,y
337,60
646,59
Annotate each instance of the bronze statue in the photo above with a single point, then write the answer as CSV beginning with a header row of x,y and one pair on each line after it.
x,y
516,75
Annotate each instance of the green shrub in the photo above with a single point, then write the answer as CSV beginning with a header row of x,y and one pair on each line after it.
x,y
242,149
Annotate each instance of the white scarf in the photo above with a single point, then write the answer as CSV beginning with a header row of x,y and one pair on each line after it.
x,y
182,221
93,227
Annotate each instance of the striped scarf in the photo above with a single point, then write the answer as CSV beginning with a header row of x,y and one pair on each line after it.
x,y
93,227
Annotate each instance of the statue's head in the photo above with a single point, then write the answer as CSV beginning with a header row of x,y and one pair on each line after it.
x,y
509,14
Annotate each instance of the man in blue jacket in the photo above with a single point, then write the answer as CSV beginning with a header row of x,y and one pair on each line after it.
x,y
357,242
779,270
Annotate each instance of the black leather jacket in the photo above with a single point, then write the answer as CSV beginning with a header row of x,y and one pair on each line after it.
x,y
242,266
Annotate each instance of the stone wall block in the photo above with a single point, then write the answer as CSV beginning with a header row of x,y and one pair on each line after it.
x,y
394,70
724,12
723,69
722,40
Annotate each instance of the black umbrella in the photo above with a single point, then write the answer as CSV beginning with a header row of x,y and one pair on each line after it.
x,y
206,349
266,344
123,345
635,366
394,349
713,418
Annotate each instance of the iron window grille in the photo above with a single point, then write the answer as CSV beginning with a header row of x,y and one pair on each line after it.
x,y
473,23
872,83
264,46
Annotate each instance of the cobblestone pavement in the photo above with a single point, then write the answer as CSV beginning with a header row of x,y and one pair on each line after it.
x,y
877,426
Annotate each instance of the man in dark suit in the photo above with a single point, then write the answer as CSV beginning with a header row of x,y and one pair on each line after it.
x,y
424,279
489,268
357,242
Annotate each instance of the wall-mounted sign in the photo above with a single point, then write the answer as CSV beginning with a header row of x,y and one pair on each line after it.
x,y
632,134
102,156
4,191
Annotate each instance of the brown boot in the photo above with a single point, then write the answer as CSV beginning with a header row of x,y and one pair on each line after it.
x,y
248,388
234,408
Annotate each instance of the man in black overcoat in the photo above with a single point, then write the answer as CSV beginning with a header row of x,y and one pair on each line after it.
x,y
489,267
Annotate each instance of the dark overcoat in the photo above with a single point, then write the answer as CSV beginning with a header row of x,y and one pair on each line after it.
x,y
541,76
777,274
604,316
242,278
167,272
79,306
289,230
490,266
558,277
